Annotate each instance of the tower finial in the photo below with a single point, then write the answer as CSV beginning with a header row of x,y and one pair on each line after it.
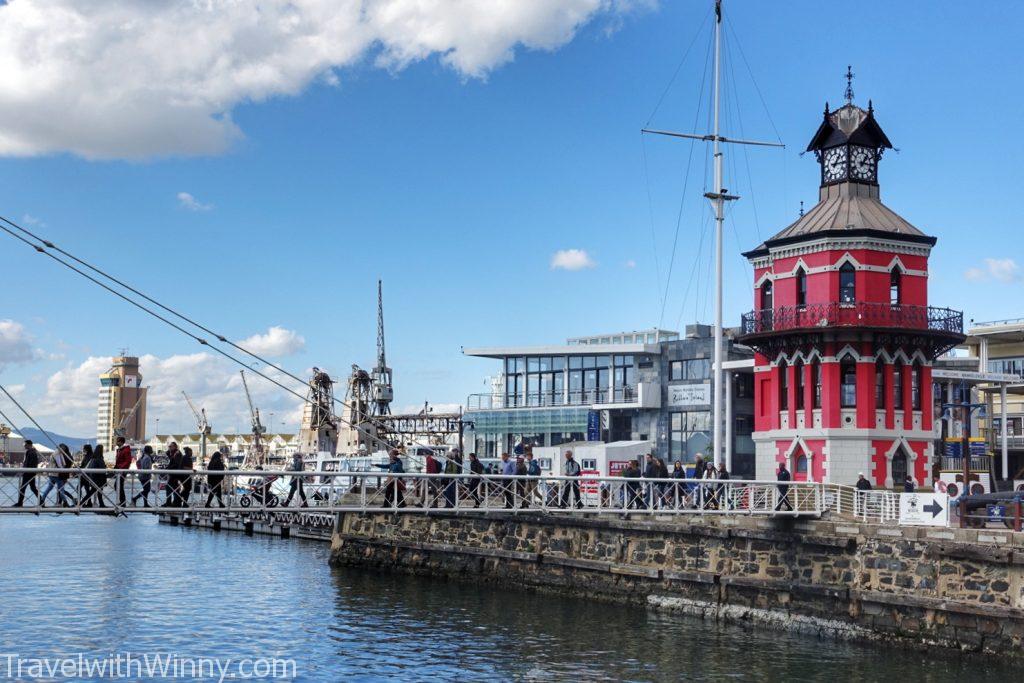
x,y
849,84
801,208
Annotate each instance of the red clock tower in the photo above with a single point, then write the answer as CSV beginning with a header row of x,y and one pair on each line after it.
x,y
843,333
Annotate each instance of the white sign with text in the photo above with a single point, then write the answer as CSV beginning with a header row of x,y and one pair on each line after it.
x,y
924,509
681,395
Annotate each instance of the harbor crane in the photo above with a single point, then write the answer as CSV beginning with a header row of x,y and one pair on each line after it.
x,y
383,391
256,456
203,424
122,427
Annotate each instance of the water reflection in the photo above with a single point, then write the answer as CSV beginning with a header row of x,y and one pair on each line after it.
x,y
102,585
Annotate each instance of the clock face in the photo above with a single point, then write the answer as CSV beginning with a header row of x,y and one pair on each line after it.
x,y
862,163
833,165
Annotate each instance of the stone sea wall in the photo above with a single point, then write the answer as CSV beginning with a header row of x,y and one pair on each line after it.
x,y
955,588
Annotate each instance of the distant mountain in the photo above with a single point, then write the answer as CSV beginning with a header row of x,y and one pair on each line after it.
x,y
36,436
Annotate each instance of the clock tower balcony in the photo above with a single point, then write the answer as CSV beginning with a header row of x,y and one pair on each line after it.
x,y
936,330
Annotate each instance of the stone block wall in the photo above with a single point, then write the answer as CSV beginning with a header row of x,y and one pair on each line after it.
x,y
957,588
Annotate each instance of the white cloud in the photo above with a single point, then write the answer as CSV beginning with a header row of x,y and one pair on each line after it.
x,y
135,79
191,203
276,342
571,259
1003,270
69,403
15,343
29,219
630,263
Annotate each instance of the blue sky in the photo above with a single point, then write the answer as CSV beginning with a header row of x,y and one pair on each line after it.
x,y
457,182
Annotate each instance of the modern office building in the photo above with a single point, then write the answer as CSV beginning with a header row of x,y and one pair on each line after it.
x,y
651,385
122,404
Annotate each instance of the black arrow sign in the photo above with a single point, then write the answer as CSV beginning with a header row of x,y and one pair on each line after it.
x,y
933,508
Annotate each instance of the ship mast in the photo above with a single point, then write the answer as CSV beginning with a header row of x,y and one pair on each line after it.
x,y
718,197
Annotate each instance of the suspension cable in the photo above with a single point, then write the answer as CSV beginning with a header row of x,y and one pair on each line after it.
x,y
200,340
22,409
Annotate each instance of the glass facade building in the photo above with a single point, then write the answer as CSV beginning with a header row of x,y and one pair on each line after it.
x,y
651,385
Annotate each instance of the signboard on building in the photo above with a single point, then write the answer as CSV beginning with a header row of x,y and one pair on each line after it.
x,y
594,425
684,395
924,509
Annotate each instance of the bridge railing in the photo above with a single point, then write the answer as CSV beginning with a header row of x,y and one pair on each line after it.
x,y
246,492
78,490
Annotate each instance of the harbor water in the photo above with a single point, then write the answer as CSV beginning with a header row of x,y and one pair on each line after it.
x,y
99,585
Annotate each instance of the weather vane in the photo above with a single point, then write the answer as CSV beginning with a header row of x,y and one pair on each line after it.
x,y
849,84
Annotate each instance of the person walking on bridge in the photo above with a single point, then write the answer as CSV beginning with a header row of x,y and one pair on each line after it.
x,y
187,463
96,480
122,463
508,467
571,489
172,496
476,468
61,459
215,482
145,462
453,465
783,475
431,486
28,479
296,483
394,487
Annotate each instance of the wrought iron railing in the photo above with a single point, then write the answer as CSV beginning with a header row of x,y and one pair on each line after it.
x,y
861,314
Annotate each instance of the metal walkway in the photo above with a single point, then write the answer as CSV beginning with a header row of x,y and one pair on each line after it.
x,y
260,491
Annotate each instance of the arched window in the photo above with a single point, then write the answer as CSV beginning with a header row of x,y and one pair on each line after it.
x,y
766,295
847,283
895,286
801,288
880,384
783,386
798,383
900,468
800,463
816,378
848,382
897,385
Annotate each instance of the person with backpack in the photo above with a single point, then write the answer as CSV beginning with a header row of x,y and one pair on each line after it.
x,y
432,486
145,462
122,463
532,470
28,479
61,459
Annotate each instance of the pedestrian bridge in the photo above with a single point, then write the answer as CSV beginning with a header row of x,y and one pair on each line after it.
x,y
263,492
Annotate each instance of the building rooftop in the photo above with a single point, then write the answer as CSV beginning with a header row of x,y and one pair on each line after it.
x,y
1006,331
560,350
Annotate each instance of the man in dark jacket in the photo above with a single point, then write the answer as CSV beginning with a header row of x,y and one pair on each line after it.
x,y
28,479
476,468
862,483
783,475
651,471
215,482
173,496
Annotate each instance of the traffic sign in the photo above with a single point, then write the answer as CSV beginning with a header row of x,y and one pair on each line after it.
x,y
924,509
